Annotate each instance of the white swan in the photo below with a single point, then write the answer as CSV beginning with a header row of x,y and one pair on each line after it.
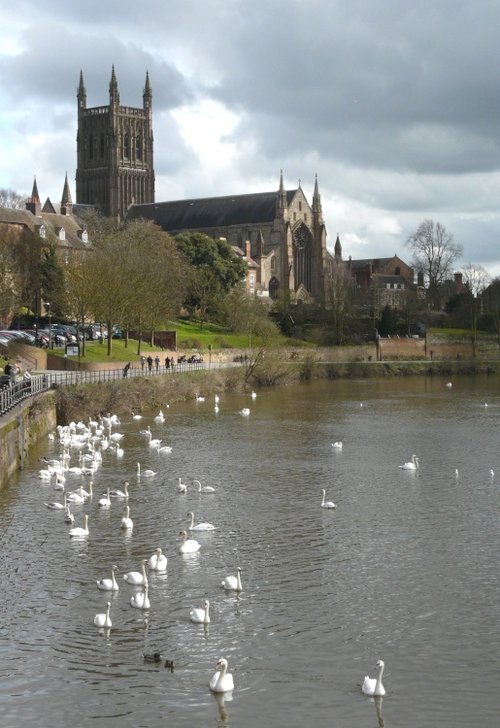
x,y
109,584
412,464
337,445
160,417
200,615
146,473
76,496
245,412
254,395
78,532
103,619
449,384
155,442
165,449
136,578
158,561
199,526
181,487
325,503
55,506
117,493
137,417
188,545
141,599
126,521
199,398
68,516
373,686
203,488
146,432
105,501
216,399
233,583
221,681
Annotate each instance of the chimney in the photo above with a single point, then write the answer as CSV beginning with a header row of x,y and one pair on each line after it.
x,y
247,250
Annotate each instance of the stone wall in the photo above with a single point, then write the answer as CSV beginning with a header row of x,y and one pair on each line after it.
x,y
23,427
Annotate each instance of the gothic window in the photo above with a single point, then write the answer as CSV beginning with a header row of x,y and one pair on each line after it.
x,y
101,144
91,146
61,233
305,216
273,288
273,264
302,258
138,147
126,146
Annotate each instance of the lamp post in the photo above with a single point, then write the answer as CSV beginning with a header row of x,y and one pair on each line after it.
x,y
47,306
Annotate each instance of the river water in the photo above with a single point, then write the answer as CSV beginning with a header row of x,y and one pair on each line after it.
x,y
405,569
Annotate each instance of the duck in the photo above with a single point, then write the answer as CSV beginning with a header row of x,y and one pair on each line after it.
x,y
222,680
146,473
126,521
373,686
117,493
337,445
188,545
109,584
181,487
202,488
141,599
233,583
411,464
170,664
103,619
105,501
325,503
199,526
245,412
80,532
200,615
152,656
137,578
158,561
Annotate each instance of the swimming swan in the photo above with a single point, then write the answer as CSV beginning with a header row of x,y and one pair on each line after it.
x,y
200,615
141,599
145,473
199,526
158,561
245,412
373,686
326,504
337,445
117,493
76,532
233,583
221,681
105,501
181,487
137,577
126,521
412,464
203,488
188,545
109,584
103,619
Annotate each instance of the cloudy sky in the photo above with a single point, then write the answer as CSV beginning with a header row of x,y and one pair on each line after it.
x,y
395,105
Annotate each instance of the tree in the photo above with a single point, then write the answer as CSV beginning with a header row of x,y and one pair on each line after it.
x,y
52,280
339,298
219,269
434,253
249,315
476,279
491,304
11,198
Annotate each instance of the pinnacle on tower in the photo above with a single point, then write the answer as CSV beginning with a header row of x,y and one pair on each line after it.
x,y
82,93
114,96
33,203
66,201
282,201
147,94
338,249
316,206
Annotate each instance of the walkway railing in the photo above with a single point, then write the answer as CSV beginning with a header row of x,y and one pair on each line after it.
x,y
13,392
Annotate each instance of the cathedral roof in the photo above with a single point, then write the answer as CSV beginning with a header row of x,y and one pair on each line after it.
x,y
211,212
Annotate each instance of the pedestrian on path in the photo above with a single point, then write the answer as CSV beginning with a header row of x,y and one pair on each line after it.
x,y
157,363
125,370
150,363
143,362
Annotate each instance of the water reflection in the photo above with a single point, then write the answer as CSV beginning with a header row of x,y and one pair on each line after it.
x,y
378,708
221,699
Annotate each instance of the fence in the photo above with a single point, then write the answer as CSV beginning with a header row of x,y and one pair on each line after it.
x,y
13,392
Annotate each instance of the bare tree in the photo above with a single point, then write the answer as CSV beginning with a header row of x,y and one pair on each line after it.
x,y
339,297
476,280
434,253
11,198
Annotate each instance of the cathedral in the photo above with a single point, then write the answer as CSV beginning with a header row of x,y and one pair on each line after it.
x,y
280,234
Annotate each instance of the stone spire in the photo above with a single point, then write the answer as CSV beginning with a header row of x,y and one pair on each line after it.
x,y
338,249
66,201
114,96
147,95
33,203
316,206
282,201
82,93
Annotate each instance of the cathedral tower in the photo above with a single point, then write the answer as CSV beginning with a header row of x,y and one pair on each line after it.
x,y
114,152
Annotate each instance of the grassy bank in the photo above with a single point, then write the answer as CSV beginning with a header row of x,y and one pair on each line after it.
x,y
127,396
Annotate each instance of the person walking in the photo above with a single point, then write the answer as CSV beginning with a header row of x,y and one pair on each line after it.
x,y
125,370
157,363
150,363
143,362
